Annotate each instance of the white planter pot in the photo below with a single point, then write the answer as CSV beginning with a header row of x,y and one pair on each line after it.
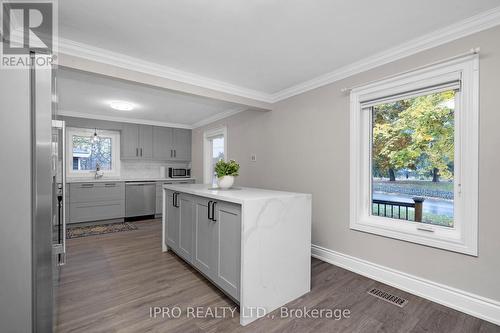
x,y
225,182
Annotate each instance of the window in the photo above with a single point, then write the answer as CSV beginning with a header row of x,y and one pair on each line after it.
x,y
215,149
86,153
414,156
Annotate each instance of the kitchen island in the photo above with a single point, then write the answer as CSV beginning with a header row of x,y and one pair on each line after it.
x,y
253,244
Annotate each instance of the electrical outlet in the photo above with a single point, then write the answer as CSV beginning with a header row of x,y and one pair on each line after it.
x,y
253,158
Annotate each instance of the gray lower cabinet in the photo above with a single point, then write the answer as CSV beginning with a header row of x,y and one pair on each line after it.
x,y
159,191
186,209
228,224
173,221
207,234
206,240
96,201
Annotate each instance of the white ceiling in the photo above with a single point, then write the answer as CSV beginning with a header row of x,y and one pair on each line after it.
x,y
264,45
88,95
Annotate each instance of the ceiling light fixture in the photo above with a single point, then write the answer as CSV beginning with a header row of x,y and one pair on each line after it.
x,y
121,105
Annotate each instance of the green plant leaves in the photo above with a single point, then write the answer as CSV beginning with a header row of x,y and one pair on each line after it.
x,y
223,168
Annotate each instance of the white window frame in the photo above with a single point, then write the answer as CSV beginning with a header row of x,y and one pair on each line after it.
x,y
208,135
115,152
462,237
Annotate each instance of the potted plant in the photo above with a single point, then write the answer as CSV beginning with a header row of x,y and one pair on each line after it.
x,y
226,171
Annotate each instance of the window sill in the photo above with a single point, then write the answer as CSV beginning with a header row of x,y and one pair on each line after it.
x,y
440,237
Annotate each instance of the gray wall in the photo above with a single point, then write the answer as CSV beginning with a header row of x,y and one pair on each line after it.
x,y
303,145
15,203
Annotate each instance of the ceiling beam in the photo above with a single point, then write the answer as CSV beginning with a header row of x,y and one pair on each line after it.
x,y
138,74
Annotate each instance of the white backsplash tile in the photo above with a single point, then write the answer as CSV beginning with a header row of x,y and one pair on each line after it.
x,y
147,169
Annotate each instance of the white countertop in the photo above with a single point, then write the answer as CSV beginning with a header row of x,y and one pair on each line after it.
x,y
123,179
235,194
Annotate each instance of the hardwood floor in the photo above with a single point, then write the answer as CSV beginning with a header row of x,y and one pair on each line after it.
x,y
110,282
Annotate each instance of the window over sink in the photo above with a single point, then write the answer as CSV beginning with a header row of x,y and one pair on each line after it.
x,y
88,149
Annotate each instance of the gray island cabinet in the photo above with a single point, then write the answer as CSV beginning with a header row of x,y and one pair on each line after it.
x,y
253,244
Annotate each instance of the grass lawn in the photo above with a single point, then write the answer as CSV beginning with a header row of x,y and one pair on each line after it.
x,y
443,185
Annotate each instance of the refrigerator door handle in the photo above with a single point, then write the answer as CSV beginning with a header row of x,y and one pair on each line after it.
x,y
60,249
62,258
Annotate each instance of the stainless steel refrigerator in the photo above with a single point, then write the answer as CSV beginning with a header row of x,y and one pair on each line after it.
x,y
32,228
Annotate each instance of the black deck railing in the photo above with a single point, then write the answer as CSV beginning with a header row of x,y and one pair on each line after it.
x,y
392,209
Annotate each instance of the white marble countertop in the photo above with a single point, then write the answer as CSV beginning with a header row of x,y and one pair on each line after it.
x,y
123,179
235,194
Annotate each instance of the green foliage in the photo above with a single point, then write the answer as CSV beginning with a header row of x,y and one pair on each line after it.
x,y
223,168
416,133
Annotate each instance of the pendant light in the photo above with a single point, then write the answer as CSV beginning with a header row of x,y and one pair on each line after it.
x,y
94,138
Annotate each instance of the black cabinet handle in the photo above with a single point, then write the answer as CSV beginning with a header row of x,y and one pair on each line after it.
x,y
208,206
173,199
213,212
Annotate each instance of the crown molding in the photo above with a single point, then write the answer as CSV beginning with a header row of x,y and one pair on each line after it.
x,y
76,114
466,27
219,116
88,52
469,26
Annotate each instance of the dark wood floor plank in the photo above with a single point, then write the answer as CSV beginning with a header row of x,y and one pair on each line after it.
x,y
110,282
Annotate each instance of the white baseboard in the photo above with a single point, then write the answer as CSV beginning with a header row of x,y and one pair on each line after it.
x,y
474,305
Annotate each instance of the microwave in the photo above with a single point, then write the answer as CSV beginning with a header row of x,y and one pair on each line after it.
x,y
179,173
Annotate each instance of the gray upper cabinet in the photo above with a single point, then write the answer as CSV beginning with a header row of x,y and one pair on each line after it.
x,y
181,144
129,146
162,143
136,142
146,141
171,144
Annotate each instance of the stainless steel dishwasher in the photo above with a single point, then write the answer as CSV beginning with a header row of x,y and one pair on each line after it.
x,y
140,198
